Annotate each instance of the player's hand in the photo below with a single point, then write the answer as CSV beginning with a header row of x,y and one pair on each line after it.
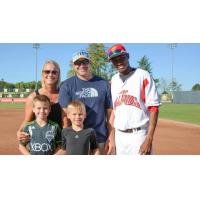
x,y
22,136
110,147
145,148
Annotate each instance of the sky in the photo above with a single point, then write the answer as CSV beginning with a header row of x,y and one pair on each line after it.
x,y
18,60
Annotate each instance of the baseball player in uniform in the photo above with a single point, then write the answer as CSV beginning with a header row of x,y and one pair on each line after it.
x,y
135,105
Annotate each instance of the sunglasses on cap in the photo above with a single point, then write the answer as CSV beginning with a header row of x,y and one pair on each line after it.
x,y
116,51
79,62
54,72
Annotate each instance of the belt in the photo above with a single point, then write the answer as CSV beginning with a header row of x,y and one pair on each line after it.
x,y
130,130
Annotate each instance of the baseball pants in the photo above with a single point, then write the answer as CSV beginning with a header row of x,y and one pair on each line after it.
x,y
129,143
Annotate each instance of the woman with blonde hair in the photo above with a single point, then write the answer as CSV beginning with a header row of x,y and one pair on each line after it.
x,y
50,79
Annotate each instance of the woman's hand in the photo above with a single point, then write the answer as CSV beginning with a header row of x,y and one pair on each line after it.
x,y
23,136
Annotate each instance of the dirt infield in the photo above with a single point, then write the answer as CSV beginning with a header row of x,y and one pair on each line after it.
x,y
10,120
171,138
177,138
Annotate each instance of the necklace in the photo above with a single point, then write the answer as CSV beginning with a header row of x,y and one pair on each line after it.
x,y
53,97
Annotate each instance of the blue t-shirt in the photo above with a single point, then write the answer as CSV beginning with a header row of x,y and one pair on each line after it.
x,y
95,94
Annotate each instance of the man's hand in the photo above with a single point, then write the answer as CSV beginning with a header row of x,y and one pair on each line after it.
x,y
145,148
110,145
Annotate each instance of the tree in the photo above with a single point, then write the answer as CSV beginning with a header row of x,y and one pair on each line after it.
x,y
2,83
166,87
32,85
174,86
39,84
99,62
157,82
163,86
20,86
196,87
71,72
145,64
10,86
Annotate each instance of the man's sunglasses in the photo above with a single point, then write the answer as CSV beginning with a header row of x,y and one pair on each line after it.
x,y
79,62
54,72
116,51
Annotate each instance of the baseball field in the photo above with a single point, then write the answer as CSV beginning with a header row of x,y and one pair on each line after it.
x,y
177,133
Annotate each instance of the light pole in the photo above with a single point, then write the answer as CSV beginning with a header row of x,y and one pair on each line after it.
x,y
36,46
172,46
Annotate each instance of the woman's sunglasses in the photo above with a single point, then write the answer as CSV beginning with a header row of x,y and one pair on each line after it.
x,y
54,72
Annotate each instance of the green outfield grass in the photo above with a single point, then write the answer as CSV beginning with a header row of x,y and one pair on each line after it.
x,y
12,105
181,112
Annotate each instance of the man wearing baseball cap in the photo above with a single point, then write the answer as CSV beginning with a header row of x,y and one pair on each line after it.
x,y
135,105
95,93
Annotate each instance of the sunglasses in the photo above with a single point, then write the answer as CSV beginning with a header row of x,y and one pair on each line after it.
x,y
54,72
79,62
116,51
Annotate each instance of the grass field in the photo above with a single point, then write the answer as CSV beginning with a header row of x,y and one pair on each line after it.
x,y
181,112
12,105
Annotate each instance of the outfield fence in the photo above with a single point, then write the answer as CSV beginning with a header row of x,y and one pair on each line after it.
x,y
12,100
187,97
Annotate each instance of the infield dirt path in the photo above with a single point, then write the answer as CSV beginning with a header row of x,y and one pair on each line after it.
x,y
177,138
171,138
10,120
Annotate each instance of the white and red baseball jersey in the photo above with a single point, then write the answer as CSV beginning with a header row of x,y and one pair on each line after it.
x,y
132,98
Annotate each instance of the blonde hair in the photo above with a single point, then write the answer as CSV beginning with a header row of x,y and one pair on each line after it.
x,y
41,98
77,104
58,68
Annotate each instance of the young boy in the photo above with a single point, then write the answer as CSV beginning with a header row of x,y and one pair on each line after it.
x,y
45,135
75,139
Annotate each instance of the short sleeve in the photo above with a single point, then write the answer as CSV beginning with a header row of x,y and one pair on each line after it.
x,y
64,95
151,94
58,138
108,100
63,141
26,130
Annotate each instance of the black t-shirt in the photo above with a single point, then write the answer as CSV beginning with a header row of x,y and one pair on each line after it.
x,y
78,143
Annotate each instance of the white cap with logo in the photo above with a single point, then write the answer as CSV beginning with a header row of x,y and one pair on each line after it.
x,y
80,54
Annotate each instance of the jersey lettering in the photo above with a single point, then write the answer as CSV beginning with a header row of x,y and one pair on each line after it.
x,y
126,99
87,93
44,147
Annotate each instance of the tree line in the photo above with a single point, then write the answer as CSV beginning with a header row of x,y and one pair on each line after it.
x,y
19,85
